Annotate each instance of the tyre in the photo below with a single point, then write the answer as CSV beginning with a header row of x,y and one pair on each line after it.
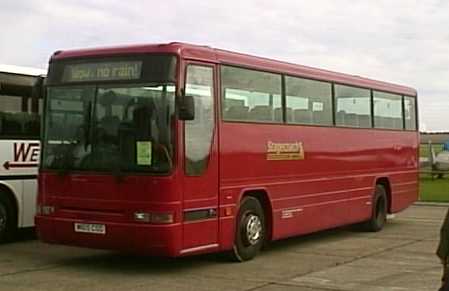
x,y
250,230
379,211
7,224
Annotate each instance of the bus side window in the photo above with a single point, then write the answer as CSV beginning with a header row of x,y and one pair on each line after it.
x,y
250,95
352,107
311,101
387,110
11,125
410,113
12,116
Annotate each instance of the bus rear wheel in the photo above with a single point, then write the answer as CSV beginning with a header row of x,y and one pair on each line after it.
x,y
379,211
250,230
6,219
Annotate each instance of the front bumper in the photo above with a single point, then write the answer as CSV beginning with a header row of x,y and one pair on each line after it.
x,y
139,238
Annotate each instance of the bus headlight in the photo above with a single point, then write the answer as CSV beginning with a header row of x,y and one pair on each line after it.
x,y
154,217
142,216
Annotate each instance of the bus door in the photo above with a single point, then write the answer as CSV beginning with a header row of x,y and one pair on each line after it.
x,y
200,215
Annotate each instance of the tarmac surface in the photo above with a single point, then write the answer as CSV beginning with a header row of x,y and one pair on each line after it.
x,y
401,257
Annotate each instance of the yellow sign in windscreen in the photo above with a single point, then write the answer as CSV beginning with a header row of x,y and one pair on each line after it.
x,y
143,152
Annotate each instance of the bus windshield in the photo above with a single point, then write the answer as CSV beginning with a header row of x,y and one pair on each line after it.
x,y
109,128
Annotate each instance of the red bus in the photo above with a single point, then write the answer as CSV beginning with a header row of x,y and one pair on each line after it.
x,y
177,149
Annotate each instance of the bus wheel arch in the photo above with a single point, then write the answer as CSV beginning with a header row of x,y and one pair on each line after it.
x,y
10,205
385,182
254,213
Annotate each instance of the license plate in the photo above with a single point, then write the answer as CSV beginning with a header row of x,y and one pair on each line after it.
x,y
90,228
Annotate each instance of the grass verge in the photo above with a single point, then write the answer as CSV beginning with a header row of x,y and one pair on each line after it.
x,y
436,190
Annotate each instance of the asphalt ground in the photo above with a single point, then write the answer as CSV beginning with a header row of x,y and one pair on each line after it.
x,y
401,257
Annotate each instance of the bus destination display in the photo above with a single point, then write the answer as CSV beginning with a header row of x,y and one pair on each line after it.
x,y
111,71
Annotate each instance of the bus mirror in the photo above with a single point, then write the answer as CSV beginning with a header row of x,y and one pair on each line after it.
x,y
38,87
187,108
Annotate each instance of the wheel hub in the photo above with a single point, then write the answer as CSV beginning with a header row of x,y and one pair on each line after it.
x,y
253,229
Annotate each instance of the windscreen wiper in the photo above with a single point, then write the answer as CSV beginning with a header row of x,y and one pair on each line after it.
x,y
118,173
87,124
66,162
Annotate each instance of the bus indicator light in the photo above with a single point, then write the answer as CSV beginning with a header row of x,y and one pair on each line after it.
x,y
228,211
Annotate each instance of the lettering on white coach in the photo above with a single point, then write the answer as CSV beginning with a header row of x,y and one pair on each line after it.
x,y
24,154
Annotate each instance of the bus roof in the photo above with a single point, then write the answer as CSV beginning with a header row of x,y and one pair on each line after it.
x,y
209,54
22,70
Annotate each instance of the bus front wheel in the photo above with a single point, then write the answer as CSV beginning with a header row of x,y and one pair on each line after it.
x,y
379,211
6,219
250,230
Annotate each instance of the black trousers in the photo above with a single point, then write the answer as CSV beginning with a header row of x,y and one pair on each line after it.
x,y
445,286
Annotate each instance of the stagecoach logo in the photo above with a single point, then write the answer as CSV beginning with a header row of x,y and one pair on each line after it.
x,y
26,155
285,151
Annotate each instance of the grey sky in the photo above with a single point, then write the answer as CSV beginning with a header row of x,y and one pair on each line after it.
x,y
401,41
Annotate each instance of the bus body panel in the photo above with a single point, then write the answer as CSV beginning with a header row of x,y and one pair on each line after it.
x,y
333,185
113,201
126,237
29,202
121,195
18,172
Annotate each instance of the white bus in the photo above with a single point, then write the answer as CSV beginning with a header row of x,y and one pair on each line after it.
x,y
20,116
